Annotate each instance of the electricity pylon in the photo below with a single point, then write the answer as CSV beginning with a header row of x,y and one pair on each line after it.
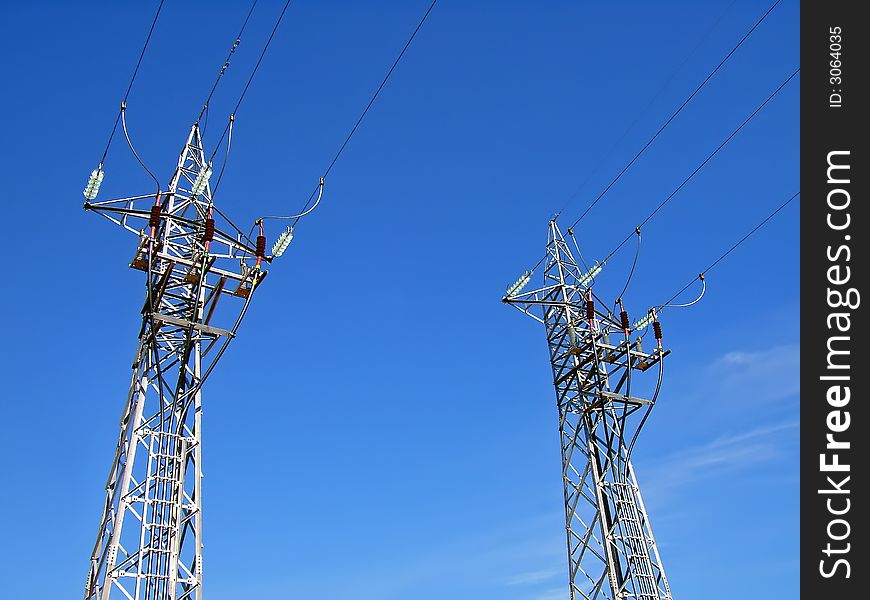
x,y
149,543
611,550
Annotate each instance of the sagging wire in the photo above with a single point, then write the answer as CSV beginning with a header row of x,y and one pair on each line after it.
x,y
133,150
677,112
203,113
625,324
226,65
256,68
657,328
702,275
228,130
95,180
708,159
226,157
380,87
227,133
669,304
318,191
633,265
647,412
130,85
694,172
667,82
304,212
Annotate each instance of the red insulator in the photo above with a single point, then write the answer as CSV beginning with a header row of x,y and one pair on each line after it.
x,y
590,309
623,317
657,330
208,234
261,246
154,219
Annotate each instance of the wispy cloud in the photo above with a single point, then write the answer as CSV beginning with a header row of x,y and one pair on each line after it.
x,y
521,558
534,577
768,375
731,453
553,594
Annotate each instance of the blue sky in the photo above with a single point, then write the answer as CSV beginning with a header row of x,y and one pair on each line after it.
x,y
383,427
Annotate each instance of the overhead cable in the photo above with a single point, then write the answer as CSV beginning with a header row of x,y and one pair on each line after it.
x,y
667,81
319,189
675,113
132,79
704,162
226,64
732,248
253,73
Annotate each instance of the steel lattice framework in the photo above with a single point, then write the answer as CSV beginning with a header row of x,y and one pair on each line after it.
x,y
611,550
149,543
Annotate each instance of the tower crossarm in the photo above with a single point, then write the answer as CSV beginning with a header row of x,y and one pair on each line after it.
x,y
137,210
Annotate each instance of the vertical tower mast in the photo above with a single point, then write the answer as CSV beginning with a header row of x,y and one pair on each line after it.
x,y
149,543
611,550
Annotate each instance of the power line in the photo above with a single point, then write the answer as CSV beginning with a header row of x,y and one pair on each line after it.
x,y
641,113
226,62
703,163
674,115
253,73
132,79
365,111
378,91
733,247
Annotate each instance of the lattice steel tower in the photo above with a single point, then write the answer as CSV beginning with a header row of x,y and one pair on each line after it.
x,y
199,283
611,550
